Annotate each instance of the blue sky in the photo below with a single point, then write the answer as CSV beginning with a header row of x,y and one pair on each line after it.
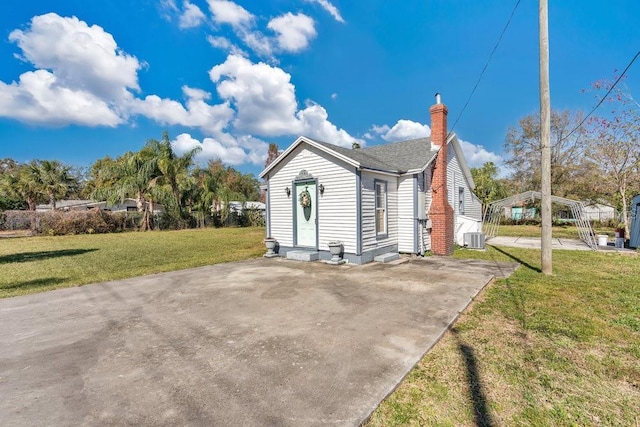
x,y
80,79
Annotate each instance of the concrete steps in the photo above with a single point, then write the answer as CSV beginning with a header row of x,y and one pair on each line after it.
x,y
388,257
303,255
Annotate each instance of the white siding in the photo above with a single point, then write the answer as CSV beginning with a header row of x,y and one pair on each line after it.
x,y
425,233
406,214
455,180
369,239
470,219
474,208
336,207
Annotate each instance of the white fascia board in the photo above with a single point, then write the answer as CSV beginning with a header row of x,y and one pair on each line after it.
x,y
455,143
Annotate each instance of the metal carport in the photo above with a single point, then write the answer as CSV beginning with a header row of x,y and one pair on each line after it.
x,y
491,221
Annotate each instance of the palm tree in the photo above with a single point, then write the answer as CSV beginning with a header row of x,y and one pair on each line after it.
x,y
132,175
23,182
55,180
172,168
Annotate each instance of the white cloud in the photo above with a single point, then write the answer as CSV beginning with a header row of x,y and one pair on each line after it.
x,y
403,130
258,42
333,11
265,101
245,149
228,12
226,45
477,155
380,129
191,16
315,124
209,118
262,95
82,77
38,99
81,57
294,31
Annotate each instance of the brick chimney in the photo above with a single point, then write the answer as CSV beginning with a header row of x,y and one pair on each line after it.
x,y
441,213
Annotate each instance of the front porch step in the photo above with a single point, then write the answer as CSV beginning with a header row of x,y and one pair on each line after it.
x,y
303,255
388,257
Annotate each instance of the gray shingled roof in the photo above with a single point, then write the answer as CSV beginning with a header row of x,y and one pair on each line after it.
x,y
396,157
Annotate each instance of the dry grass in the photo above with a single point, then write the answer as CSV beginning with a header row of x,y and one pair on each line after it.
x,y
535,350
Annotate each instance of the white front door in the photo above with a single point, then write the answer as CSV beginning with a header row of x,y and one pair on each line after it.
x,y
306,209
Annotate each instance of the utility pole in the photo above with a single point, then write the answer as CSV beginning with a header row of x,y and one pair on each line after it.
x,y
545,137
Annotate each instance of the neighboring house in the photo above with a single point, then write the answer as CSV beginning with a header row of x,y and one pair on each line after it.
x,y
408,197
238,207
129,205
590,211
519,213
598,212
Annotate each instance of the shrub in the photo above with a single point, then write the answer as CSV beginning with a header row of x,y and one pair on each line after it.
x,y
173,221
15,220
57,223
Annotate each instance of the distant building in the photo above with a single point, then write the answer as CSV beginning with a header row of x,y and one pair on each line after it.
x,y
129,205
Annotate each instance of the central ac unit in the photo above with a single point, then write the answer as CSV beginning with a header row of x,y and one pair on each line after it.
x,y
474,240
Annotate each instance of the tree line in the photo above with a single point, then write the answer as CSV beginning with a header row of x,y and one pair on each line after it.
x,y
155,174
595,159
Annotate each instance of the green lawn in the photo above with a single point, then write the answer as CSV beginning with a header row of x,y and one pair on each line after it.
x,y
534,350
36,264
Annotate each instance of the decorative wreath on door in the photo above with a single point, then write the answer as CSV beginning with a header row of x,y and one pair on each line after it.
x,y
305,202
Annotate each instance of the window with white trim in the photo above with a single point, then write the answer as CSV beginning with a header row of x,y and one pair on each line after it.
x,y
381,207
461,200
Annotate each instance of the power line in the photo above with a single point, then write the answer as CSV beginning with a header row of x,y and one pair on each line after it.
x,y
604,97
485,67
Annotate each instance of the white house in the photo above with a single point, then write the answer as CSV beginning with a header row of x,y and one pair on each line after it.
x,y
238,207
598,212
407,197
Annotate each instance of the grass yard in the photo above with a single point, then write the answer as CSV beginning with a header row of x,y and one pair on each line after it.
x,y
36,264
534,350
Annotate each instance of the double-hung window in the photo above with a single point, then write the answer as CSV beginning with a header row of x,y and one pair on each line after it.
x,y
381,208
461,200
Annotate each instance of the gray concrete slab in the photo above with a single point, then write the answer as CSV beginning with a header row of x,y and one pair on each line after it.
x,y
534,243
562,244
260,342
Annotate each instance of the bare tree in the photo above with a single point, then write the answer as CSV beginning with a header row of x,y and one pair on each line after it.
x,y
522,146
614,145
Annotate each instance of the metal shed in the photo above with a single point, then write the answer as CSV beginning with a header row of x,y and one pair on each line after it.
x,y
496,211
634,241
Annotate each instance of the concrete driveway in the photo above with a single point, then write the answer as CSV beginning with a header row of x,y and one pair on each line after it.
x,y
260,342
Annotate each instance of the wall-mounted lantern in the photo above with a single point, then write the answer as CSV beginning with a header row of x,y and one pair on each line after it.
x,y
288,191
321,188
